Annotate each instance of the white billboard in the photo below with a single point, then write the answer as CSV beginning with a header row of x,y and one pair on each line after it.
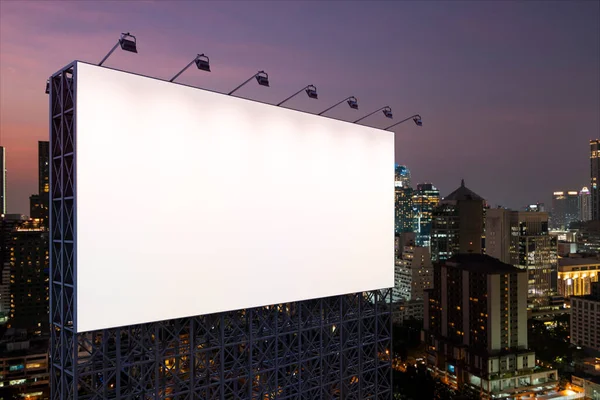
x,y
191,202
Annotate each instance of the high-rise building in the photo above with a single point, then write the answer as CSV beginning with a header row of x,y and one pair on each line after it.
x,y
44,179
29,275
402,174
457,224
404,200
522,240
585,320
425,199
595,177
585,204
413,274
565,209
2,181
475,328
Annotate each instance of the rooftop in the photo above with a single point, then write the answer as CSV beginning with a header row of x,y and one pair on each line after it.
x,y
463,193
571,261
481,263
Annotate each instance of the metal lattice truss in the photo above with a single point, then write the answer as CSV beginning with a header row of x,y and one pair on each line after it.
x,y
329,348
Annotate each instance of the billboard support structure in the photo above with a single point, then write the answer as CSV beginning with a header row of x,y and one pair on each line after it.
x,y
335,347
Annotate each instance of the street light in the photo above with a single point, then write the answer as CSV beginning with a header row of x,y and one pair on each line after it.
x,y
416,119
261,77
387,111
202,63
352,102
127,42
310,90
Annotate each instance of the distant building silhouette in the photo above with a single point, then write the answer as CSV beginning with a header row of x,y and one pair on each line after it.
x,y
2,180
29,272
565,209
425,199
595,178
403,200
585,204
457,224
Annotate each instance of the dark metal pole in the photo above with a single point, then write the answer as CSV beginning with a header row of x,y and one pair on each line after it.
x,y
298,92
368,115
336,104
404,120
109,53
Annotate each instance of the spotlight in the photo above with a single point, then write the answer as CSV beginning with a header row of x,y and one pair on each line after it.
x,y
201,62
388,112
261,77
48,86
311,91
353,103
127,41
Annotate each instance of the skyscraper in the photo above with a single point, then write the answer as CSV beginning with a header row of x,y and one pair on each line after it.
x,y
2,181
521,239
404,200
402,176
585,204
595,177
425,199
44,179
475,328
457,224
565,209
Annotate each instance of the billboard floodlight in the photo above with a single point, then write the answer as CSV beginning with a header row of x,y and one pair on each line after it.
x,y
127,41
261,77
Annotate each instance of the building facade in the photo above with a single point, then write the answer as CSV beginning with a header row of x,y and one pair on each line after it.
x,y
475,328
585,319
24,368
576,275
425,199
565,209
404,218
413,274
585,204
595,177
29,277
457,224
522,239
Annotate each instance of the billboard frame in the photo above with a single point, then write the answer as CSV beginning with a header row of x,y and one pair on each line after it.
x,y
335,347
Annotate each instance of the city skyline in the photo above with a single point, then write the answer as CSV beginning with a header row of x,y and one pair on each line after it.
x,y
476,72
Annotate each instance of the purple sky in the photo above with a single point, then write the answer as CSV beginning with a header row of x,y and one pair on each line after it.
x,y
509,91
